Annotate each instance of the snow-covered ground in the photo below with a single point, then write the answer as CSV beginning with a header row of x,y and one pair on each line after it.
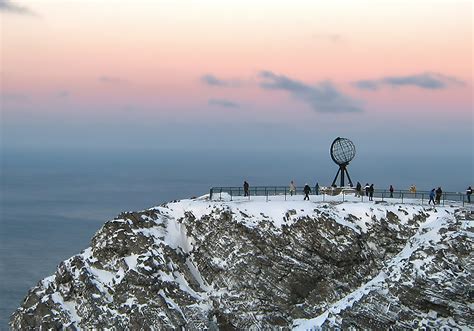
x,y
171,243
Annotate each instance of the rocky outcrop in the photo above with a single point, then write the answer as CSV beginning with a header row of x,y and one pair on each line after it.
x,y
203,264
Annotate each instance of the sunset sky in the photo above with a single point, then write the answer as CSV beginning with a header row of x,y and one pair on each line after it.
x,y
393,75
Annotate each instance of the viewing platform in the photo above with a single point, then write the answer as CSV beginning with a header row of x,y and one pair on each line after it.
x,y
342,194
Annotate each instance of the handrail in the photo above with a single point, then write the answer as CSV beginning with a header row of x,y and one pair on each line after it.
x,y
267,191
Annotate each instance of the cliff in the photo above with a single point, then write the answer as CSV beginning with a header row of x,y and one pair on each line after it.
x,y
242,264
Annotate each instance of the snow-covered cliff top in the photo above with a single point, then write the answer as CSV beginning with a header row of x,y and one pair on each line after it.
x,y
203,263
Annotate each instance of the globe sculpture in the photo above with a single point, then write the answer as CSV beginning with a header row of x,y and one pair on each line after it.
x,y
342,152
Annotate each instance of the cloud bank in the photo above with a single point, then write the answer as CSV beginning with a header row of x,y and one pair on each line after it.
x,y
212,80
322,97
427,80
223,103
6,6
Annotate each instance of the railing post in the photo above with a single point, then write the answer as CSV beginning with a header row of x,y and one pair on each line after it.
x,y
402,196
220,194
382,196
422,195
285,194
343,196
210,193
444,197
266,193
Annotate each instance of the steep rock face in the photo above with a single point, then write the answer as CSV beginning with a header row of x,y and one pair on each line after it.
x,y
426,285
242,264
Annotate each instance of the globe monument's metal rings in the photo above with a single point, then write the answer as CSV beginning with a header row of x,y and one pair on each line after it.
x,y
342,151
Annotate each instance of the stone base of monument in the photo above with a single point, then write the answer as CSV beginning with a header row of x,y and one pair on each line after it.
x,y
338,190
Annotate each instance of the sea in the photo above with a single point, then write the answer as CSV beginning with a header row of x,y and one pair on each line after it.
x,y
54,201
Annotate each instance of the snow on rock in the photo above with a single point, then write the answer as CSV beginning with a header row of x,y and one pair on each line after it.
x,y
248,264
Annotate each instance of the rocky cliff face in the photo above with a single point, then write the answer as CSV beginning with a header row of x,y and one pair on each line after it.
x,y
203,264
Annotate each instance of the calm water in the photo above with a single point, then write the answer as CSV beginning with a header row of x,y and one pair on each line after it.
x,y
52,203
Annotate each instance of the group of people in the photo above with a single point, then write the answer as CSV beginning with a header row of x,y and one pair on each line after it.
x,y
435,194
306,189
292,189
369,190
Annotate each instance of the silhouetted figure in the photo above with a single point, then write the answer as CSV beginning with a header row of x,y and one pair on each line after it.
x,y
391,191
306,191
316,189
371,192
246,189
468,194
439,192
432,197
358,189
292,188
367,188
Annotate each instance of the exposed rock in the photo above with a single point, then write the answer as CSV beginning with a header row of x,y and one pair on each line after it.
x,y
204,264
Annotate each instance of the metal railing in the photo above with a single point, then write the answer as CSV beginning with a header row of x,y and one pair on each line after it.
x,y
380,195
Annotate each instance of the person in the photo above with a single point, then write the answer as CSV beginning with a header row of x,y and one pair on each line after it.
x,y
432,196
413,188
367,188
316,189
468,194
371,192
246,189
391,191
292,188
306,190
439,191
358,189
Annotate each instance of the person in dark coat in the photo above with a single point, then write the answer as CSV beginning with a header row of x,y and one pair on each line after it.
x,y
246,189
432,197
468,194
391,191
439,192
371,192
316,189
358,189
367,188
306,191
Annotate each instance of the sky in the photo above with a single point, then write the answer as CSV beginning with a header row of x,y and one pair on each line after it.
x,y
283,76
